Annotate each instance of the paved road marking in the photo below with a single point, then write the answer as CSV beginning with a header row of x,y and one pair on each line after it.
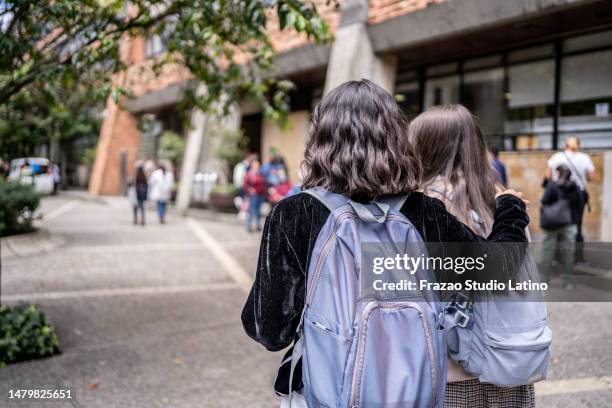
x,y
572,385
132,248
231,266
94,293
64,208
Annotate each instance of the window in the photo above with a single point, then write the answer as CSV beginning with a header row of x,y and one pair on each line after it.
x,y
440,91
515,94
408,98
586,102
531,104
483,94
588,42
155,45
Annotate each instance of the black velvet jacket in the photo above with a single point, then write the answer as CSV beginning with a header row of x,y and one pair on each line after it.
x,y
274,306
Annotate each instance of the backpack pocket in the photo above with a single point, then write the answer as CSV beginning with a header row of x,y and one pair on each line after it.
x,y
397,362
516,358
324,362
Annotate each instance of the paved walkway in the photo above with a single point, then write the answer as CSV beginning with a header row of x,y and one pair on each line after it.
x,y
150,316
146,316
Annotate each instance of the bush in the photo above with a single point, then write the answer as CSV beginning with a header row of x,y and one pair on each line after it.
x,y
17,205
171,147
25,334
224,189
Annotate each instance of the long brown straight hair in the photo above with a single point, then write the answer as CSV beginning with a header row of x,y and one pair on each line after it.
x,y
453,154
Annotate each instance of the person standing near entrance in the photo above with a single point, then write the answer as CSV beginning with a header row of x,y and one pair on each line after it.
x,y
583,171
160,186
255,188
560,224
137,193
499,168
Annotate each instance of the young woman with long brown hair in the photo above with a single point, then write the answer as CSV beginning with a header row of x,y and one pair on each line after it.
x,y
456,170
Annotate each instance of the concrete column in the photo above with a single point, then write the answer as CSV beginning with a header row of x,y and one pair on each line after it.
x,y
352,56
191,157
200,152
209,162
606,198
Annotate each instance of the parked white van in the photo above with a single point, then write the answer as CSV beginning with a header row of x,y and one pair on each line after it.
x,y
33,170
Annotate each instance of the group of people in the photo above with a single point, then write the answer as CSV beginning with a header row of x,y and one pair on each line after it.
x,y
563,205
155,186
562,208
361,147
257,184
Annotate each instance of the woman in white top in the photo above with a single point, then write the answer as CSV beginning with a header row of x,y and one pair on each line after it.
x,y
583,171
160,190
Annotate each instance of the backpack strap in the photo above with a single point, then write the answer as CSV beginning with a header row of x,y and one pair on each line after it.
x,y
327,198
296,355
578,175
365,212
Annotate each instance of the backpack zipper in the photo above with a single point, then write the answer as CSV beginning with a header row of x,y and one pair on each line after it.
x,y
322,256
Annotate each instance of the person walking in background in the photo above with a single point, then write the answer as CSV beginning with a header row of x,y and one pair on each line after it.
x,y
137,193
583,171
499,167
560,214
161,183
255,188
277,177
238,175
57,177
456,170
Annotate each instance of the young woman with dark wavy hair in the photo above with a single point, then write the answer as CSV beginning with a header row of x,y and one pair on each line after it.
x,y
358,146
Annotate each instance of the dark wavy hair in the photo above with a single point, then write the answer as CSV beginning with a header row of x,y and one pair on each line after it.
x,y
358,144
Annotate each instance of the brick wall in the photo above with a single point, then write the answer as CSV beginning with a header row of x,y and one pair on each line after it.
x,y
381,10
526,171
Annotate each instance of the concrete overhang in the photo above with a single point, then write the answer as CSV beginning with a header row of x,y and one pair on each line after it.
x,y
299,64
455,18
158,99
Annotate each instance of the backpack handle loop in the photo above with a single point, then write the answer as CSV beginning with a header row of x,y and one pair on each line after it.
x,y
366,215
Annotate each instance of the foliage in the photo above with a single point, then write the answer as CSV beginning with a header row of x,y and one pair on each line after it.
x,y
17,204
89,156
224,189
25,333
232,144
223,43
171,147
61,109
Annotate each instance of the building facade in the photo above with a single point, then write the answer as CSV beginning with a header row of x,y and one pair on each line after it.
x,y
535,72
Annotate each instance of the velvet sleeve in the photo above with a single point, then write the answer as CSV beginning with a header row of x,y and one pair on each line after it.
x,y
274,305
504,248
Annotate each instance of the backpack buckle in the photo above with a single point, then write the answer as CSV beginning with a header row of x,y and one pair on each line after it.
x,y
461,319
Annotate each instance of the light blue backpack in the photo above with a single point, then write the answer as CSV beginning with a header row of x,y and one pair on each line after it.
x,y
501,339
360,351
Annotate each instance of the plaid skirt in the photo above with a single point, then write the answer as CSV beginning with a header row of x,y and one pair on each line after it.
x,y
474,394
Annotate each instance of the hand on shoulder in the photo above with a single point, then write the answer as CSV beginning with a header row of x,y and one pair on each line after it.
x,y
500,192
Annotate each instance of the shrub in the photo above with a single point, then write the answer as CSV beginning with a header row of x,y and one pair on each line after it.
x,y
224,189
25,334
17,204
171,147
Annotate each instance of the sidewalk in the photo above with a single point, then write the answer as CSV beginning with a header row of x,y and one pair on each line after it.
x,y
146,316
